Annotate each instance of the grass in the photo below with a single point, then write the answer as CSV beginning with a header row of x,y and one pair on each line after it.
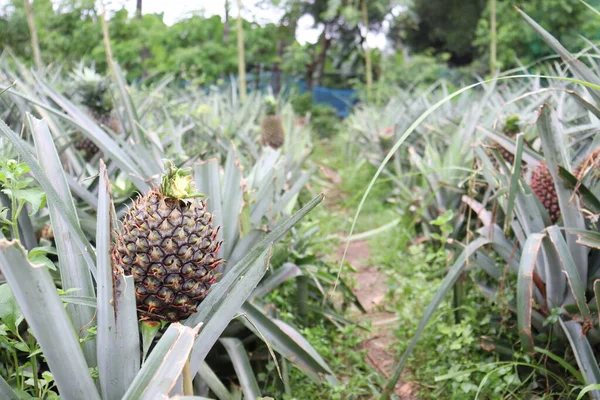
x,y
452,359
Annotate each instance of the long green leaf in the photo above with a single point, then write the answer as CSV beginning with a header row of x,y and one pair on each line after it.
x,y
108,146
243,369
74,272
575,280
226,298
208,182
6,391
280,275
279,340
39,301
233,197
514,180
578,68
164,365
563,363
555,151
53,196
527,264
584,354
118,336
213,382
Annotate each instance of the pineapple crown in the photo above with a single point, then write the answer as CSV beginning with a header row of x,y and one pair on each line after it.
x,y
511,126
271,104
178,183
91,90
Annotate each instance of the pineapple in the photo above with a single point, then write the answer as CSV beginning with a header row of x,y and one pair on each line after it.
x,y
167,241
386,139
91,90
543,187
272,134
510,129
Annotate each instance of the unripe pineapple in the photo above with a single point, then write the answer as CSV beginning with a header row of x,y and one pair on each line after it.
x,y
272,134
91,90
167,241
511,129
543,187
386,139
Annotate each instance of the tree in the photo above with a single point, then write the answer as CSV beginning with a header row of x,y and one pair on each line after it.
x,y
443,26
568,21
35,44
240,49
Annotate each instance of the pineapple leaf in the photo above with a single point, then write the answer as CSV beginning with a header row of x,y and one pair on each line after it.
x,y
43,309
164,365
76,270
281,341
118,336
213,382
227,296
6,391
584,355
243,369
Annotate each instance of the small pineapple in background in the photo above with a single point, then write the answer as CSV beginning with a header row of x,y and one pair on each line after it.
x,y
386,139
167,241
272,134
511,129
91,90
47,232
543,187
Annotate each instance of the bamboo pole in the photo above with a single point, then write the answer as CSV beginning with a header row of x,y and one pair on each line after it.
x,y
369,72
35,44
241,59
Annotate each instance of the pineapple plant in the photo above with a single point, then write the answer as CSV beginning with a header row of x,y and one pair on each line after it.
x,y
91,90
272,133
168,243
510,129
543,187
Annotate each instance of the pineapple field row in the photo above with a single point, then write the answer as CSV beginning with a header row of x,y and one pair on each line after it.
x,y
167,242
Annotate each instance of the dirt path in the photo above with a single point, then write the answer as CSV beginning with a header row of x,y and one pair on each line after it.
x,y
370,291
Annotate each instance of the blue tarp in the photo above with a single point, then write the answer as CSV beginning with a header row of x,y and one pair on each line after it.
x,y
340,99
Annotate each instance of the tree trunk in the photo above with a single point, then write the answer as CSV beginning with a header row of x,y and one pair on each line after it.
x,y
493,37
241,58
145,53
323,56
35,44
276,70
226,26
109,56
368,67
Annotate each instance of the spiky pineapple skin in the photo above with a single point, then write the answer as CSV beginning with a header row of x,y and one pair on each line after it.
x,y
272,134
543,187
170,248
85,144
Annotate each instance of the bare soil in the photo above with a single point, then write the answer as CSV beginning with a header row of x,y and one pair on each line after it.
x,y
370,291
